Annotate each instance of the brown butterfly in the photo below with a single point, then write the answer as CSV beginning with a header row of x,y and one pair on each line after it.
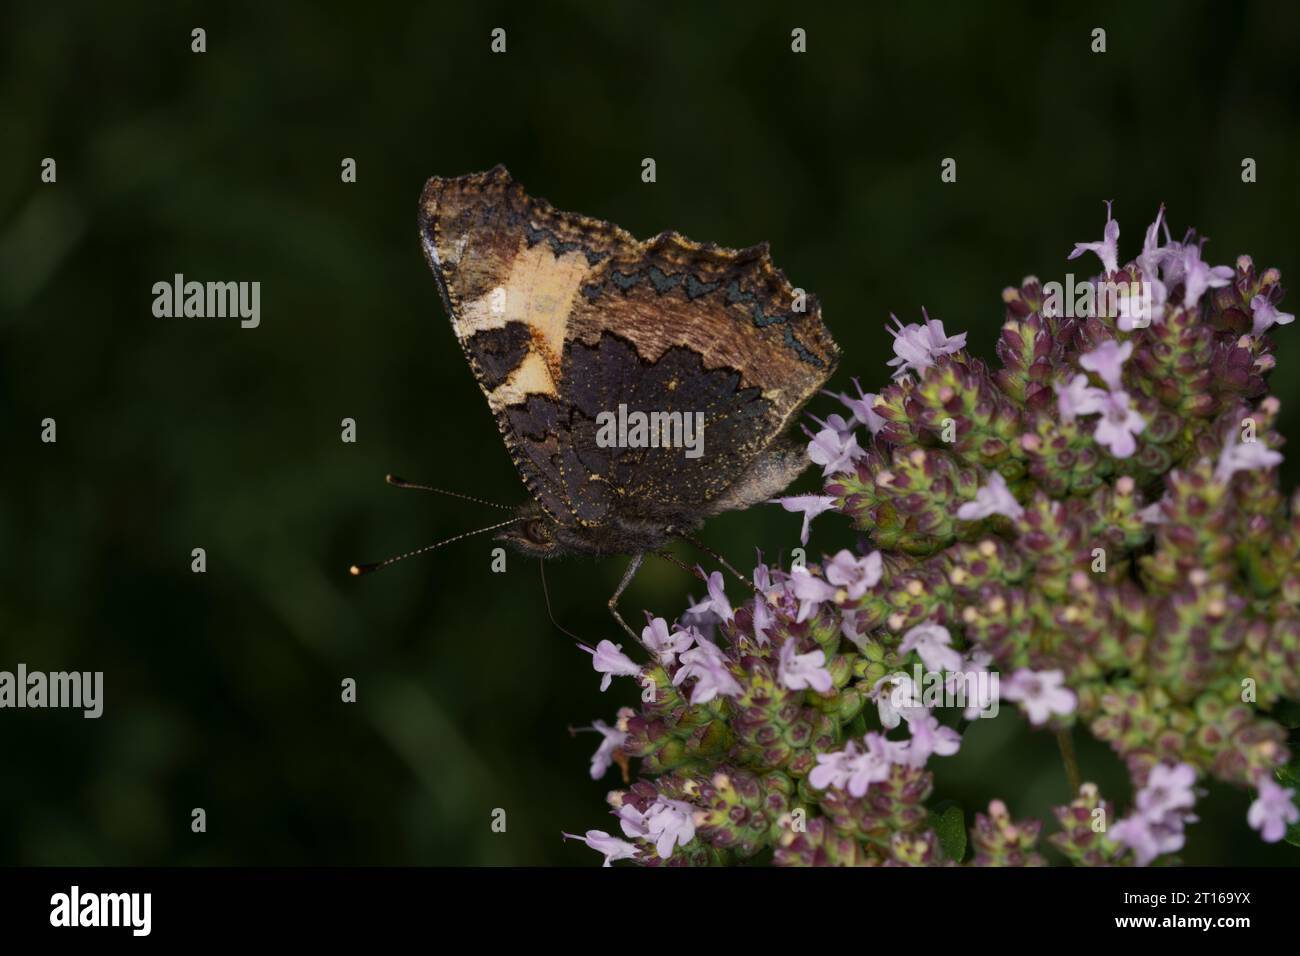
x,y
569,322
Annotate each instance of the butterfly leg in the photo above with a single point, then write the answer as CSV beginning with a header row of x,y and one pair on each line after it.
x,y
628,575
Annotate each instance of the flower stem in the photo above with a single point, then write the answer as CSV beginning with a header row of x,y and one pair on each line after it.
x,y
1066,743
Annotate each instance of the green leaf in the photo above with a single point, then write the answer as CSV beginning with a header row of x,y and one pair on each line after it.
x,y
950,827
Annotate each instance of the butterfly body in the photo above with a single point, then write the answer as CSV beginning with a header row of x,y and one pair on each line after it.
x,y
565,319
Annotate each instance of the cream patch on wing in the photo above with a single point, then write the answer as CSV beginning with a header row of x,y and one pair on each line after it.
x,y
539,292
530,377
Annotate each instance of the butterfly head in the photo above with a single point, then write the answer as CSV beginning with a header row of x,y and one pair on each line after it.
x,y
534,532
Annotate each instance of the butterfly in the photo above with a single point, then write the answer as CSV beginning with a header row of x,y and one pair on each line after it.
x,y
569,322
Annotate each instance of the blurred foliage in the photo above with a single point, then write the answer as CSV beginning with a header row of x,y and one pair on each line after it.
x,y
222,690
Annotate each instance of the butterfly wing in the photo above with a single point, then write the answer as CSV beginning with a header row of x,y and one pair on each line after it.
x,y
563,318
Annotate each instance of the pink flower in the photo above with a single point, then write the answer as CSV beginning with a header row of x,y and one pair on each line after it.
x,y
1168,789
1244,456
932,643
1149,838
1078,398
833,451
1118,424
1154,255
862,408
1107,250
856,575
811,592
1140,304
763,618
612,848
666,824
1266,315
929,737
608,658
920,346
993,499
833,769
1272,810
1162,809
852,769
666,646
766,595
716,602
798,671
1197,276
1107,360
707,664
849,627
810,505
669,823
1041,694
897,699
871,766
702,624
612,739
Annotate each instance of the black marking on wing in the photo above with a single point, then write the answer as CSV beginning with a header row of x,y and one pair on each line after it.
x,y
498,352
559,246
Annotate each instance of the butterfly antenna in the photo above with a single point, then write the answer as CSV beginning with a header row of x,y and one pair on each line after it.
x,y
719,558
359,569
546,593
403,483
673,560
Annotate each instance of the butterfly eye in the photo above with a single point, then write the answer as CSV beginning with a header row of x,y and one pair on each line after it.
x,y
537,532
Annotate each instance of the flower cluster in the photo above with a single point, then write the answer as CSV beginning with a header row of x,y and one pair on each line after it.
x,y
1092,531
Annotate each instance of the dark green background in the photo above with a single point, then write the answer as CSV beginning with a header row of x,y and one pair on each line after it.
x,y
223,689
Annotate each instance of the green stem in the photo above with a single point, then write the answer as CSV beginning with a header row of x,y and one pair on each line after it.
x,y
1066,743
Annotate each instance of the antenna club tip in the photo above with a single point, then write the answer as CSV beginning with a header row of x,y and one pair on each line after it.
x,y
355,571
